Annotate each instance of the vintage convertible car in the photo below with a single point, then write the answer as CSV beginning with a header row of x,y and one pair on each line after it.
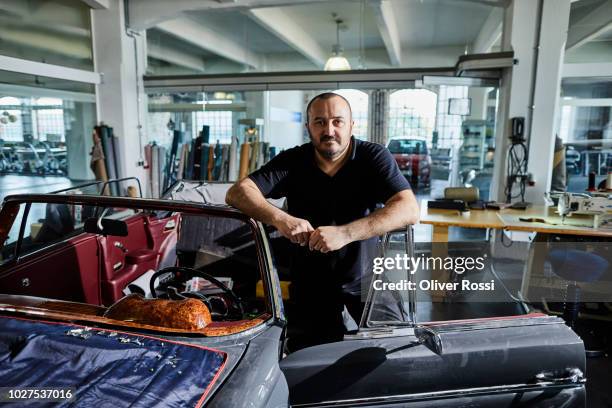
x,y
182,302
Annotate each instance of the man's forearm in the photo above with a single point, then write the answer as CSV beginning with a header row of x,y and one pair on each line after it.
x,y
245,196
397,213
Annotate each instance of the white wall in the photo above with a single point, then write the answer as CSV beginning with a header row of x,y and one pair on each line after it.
x,y
284,120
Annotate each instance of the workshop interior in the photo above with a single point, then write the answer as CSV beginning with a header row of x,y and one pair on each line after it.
x,y
123,123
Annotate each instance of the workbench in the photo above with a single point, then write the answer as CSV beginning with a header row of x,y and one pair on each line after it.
x,y
507,220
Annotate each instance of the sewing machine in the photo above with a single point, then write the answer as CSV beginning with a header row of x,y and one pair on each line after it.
x,y
595,209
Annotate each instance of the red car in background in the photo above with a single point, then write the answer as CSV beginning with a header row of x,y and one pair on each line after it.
x,y
413,159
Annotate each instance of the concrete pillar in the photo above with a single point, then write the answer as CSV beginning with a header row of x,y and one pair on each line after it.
x,y
120,98
536,31
544,126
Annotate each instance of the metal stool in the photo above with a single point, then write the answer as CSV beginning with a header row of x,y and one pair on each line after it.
x,y
576,266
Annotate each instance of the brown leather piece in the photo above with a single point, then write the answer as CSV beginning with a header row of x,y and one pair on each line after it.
x,y
187,314
47,309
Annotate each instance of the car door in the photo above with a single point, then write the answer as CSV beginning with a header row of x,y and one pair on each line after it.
x,y
510,358
531,360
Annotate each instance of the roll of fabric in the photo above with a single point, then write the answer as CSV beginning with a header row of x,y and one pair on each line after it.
x,y
97,164
184,156
196,148
211,161
245,151
206,134
204,153
225,163
265,151
155,172
218,161
109,156
148,152
162,165
232,171
116,153
254,155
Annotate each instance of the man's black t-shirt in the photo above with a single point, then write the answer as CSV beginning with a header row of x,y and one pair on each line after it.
x,y
368,178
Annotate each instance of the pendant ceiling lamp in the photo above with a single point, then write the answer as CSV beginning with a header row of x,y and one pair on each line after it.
x,y
337,61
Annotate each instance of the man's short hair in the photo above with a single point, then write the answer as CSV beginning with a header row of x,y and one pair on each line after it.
x,y
324,96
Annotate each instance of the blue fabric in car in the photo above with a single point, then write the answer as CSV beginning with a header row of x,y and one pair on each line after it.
x,y
106,370
575,265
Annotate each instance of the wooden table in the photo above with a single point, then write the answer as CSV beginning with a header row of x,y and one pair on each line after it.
x,y
442,219
554,224
507,219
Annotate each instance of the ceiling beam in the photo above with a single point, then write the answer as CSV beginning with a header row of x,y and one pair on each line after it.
x,y
387,26
588,69
175,56
594,24
284,27
210,40
145,14
48,70
490,32
37,40
97,4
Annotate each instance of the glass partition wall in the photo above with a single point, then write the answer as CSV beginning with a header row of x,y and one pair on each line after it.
x,y
434,145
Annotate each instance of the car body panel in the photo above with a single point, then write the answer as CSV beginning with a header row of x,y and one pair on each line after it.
x,y
257,381
470,363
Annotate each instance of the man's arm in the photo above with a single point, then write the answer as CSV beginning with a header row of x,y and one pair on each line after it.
x,y
246,196
399,210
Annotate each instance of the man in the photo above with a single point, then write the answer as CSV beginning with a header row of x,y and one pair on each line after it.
x,y
333,185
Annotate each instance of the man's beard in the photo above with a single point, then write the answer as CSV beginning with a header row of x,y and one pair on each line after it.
x,y
326,153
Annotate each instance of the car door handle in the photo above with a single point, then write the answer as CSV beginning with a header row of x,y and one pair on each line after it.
x,y
567,376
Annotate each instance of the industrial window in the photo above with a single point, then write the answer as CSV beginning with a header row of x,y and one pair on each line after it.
x,y
49,120
159,132
11,126
449,126
412,113
220,123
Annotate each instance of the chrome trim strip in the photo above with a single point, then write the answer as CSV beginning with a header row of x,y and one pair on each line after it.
x,y
467,392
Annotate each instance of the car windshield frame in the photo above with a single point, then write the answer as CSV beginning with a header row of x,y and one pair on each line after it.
x,y
12,204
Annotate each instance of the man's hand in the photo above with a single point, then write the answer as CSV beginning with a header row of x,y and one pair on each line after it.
x,y
328,238
295,229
